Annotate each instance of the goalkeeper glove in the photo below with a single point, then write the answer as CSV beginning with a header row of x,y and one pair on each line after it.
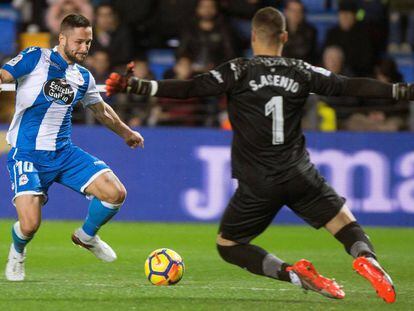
x,y
403,91
117,83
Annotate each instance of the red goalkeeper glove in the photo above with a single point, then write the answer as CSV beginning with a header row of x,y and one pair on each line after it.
x,y
117,83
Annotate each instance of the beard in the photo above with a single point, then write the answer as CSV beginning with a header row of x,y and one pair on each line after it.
x,y
73,56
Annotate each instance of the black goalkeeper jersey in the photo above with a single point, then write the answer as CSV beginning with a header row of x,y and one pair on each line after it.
x,y
265,100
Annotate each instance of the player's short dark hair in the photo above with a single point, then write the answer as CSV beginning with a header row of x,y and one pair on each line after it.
x,y
268,24
348,6
74,21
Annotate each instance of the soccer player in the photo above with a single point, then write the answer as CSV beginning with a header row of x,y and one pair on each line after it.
x,y
49,83
266,95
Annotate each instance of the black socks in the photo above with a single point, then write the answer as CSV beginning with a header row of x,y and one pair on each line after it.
x,y
256,260
355,241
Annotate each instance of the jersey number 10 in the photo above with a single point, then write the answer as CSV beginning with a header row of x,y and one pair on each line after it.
x,y
274,108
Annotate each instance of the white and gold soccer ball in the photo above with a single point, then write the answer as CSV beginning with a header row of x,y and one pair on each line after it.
x,y
164,267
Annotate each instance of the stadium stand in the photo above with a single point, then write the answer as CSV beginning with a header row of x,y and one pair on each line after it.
x,y
27,24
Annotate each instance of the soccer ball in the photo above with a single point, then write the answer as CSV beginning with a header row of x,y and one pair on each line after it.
x,y
164,267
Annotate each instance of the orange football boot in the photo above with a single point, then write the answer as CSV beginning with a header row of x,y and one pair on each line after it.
x,y
370,269
312,280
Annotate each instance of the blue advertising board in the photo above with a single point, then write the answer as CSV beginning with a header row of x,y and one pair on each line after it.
x,y
183,175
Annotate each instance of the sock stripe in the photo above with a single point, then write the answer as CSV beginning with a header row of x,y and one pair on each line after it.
x,y
99,213
111,205
18,232
19,239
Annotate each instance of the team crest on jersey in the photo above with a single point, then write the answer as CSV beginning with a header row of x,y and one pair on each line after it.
x,y
23,180
58,91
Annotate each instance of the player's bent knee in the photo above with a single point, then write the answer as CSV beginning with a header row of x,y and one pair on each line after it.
x,y
29,227
120,196
116,197
224,242
229,254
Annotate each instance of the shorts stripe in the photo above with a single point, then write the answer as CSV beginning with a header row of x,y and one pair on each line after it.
x,y
15,175
96,175
28,193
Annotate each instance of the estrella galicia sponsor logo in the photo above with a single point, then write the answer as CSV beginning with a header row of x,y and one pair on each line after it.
x,y
58,91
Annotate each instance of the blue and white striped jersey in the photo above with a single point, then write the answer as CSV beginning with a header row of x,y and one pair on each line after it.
x,y
47,88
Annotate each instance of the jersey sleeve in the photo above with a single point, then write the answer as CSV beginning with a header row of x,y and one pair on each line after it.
x,y
24,63
213,83
92,95
325,82
225,75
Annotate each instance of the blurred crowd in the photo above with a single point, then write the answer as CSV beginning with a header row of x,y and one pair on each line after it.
x,y
204,33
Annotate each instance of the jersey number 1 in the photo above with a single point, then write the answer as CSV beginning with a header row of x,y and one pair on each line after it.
x,y
274,108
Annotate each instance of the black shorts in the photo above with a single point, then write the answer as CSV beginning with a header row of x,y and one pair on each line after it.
x,y
250,210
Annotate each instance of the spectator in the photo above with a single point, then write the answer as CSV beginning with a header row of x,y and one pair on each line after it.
x,y
333,59
181,70
329,113
112,36
240,13
381,114
58,9
353,38
302,41
100,66
374,15
133,108
179,112
170,18
138,16
401,41
244,9
208,41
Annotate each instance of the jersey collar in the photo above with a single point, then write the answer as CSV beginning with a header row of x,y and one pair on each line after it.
x,y
58,59
267,56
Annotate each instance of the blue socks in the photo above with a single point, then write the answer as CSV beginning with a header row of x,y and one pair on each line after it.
x,y
99,214
19,239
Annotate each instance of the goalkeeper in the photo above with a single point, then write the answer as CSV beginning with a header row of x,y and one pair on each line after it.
x,y
266,95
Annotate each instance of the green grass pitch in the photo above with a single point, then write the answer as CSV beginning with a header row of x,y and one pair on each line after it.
x,y
61,276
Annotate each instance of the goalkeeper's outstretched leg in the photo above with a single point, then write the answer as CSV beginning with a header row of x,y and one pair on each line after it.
x,y
258,261
357,243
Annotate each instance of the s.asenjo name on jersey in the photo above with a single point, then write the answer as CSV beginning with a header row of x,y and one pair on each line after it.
x,y
288,84
58,91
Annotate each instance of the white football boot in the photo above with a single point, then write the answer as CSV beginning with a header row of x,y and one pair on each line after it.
x,y
94,244
15,265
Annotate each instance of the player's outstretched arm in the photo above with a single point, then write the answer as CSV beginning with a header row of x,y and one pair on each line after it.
x,y
324,82
200,86
5,77
213,83
108,117
365,87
